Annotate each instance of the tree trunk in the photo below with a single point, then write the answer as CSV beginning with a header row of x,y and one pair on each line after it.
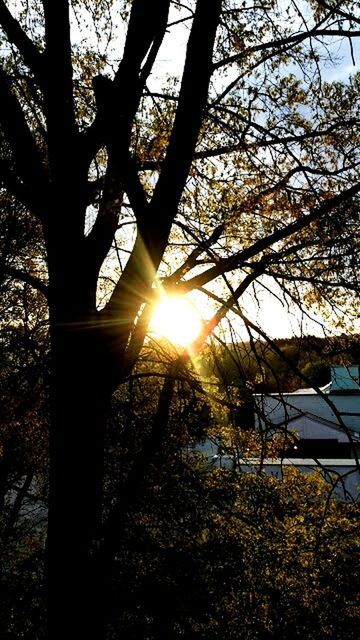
x,y
79,406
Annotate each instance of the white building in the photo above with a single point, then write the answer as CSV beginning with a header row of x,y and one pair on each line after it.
x,y
325,422
322,429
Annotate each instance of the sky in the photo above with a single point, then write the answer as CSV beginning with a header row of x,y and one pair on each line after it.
x,y
273,315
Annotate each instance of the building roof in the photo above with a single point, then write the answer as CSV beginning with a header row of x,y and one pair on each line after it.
x,y
306,392
314,418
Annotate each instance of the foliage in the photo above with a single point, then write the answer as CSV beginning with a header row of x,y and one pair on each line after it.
x,y
246,556
214,553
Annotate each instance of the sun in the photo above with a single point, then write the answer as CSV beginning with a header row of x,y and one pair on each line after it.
x,y
177,319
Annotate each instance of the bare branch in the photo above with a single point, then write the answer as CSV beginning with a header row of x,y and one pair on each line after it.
x,y
191,260
282,44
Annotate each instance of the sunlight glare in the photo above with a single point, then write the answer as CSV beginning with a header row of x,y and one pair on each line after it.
x,y
176,319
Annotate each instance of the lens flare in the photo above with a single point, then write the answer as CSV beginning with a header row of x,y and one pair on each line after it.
x,y
176,319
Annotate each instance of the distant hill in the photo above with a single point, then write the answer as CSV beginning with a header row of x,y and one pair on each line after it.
x,y
273,366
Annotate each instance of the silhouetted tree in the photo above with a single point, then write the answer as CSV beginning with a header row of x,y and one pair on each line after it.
x,y
250,167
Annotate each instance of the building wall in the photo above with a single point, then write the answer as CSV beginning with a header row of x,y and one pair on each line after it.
x,y
307,427
277,409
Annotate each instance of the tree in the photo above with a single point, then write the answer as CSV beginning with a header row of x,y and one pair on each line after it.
x,y
249,161
23,420
212,553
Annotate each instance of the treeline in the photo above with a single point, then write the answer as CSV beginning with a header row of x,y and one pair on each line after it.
x,y
282,364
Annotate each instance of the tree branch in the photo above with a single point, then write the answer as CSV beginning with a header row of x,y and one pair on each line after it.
x,y
191,260
314,280
60,114
257,269
185,132
233,262
153,231
339,12
15,34
283,43
21,141
115,113
130,489
33,281
245,146
10,181
146,27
